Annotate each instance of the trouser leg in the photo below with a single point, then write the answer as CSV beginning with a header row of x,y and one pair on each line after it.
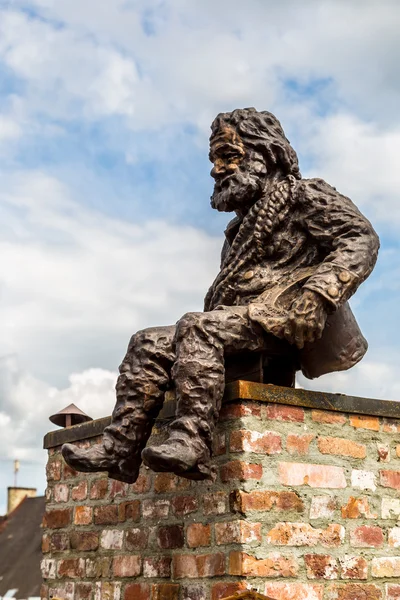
x,y
201,341
145,375
144,378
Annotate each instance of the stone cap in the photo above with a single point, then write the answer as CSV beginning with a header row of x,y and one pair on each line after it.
x,y
247,391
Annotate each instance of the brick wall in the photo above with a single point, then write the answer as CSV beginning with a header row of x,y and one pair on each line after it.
x,y
306,507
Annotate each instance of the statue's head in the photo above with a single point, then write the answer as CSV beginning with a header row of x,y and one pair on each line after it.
x,y
246,147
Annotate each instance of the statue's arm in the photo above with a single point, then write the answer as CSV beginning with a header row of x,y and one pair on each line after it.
x,y
345,237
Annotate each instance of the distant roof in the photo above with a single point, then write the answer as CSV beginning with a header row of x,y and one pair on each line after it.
x,y
21,549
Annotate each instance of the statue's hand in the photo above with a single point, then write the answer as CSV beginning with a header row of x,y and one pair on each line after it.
x,y
306,319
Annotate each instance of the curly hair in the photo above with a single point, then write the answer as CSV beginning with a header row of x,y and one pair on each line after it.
x,y
263,132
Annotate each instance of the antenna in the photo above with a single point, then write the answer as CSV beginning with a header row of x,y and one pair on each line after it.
x,y
16,469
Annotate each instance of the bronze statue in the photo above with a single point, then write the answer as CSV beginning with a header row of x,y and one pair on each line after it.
x,y
293,255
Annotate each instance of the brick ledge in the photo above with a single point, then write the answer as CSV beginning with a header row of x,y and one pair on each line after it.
x,y
248,391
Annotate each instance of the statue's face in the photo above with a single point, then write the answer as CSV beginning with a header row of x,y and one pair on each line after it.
x,y
238,171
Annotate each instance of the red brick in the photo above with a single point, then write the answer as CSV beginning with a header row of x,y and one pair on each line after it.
x,y
57,518
53,470
328,417
383,451
356,508
240,470
303,534
341,447
44,591
156,509
215,504
137,591
170,537
367,536
267,500
71,567
117,489
79,492
83,515
48,568
165,591
393,591
321,566
127,566
105,590
83,591
129,511
282,412
98,567
184,505
198,535
112,539
364,422
299,444
391,425
244,440
106,515
315,476
275,565
194,592
224,590
354,591
84,541
237,410
353,567
394,537
64,590
142,484
295,591
59,542
201,565
136,539
45,543
390,479
237,532
61,492
68,472
157,566
99,489
168,482
323,507
385,566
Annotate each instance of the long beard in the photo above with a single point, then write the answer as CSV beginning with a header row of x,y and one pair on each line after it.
x,y
240,190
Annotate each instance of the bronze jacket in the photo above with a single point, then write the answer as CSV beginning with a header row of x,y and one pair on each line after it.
x,y
324,244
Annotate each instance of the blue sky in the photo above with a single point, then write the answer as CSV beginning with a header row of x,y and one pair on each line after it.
x,y
106,225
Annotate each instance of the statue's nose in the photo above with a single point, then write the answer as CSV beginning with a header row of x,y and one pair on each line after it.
x,y
222,167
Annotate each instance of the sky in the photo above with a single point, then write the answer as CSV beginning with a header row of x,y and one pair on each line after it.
x,y
105,219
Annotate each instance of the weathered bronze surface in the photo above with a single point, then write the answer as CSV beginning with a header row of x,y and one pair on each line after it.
x,y
293,255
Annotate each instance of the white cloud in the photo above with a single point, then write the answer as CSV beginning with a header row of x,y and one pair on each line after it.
x,y
361,160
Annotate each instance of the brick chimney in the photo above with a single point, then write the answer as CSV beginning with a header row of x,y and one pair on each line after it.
x,y
15,495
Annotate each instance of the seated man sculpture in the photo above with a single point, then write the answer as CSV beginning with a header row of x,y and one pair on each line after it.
x,y
293,255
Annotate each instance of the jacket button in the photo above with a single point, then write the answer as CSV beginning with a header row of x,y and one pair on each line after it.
x,y
333,291
249,275
344,276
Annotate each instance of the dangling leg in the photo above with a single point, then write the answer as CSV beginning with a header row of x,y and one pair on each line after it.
x,y
144,378
201,341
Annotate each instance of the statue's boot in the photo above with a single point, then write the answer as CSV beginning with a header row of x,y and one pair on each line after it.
x,y
198,373
181,454
144,377
97,458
